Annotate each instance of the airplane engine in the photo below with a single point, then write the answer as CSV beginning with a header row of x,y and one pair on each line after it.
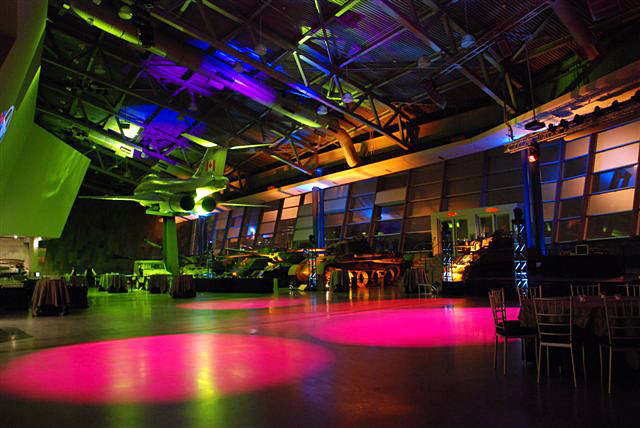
x,y
207,204
182,203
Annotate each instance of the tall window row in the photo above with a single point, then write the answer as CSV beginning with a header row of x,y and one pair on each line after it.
x,y
588,188
589,185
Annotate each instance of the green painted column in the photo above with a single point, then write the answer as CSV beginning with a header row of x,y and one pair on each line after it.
x,y
170,245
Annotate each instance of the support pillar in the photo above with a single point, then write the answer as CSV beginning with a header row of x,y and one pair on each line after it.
x,y
170,245
317,198
526,190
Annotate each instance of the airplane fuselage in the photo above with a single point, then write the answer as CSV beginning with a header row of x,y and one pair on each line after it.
x,y
207,185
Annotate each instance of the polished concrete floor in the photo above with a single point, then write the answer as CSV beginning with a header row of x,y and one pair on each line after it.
x,y
299,360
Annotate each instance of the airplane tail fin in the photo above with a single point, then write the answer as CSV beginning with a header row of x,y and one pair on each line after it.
x,y
213,162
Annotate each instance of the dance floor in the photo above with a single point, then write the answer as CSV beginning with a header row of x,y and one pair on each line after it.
x,y
374,358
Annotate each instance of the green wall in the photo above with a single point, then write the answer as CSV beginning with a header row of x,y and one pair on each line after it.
x,y
108,235
40,175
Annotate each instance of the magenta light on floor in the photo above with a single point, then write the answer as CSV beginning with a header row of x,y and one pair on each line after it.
x,y
161,369
259,303
431,327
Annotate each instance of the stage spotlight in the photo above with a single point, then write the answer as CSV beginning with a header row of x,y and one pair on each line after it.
x,y
551,127
322,110
433,94
597,112
125,12
564,124
577,119
615,106
347,98
261,49
534,125
238,68
534,152
424,62
636,96
467,41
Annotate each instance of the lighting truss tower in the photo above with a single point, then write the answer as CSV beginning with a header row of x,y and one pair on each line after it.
x,y
447,253
520,252
312,259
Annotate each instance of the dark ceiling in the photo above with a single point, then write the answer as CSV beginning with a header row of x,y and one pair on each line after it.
x,y
97,89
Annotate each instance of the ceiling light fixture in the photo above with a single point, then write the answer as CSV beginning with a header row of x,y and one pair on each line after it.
x,y
125,12
250,146
261,49
424,62
467,41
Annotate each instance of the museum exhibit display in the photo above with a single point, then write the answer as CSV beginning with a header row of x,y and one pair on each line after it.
x,y
331,213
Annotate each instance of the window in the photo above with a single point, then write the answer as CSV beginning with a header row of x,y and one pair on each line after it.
x,y
358,202
611,202
576,148
614,179
362,216
614,158
610,226
417,242
425,191
427,174
393,181
391,213
618,136
387,243
363,187
416,209
569,230
357,229
418,224
389,227
550,172
570,208
575,167
572,188
463,202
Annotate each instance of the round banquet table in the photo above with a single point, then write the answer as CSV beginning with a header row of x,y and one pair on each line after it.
x,y
77,281
50,295
412,278
115,283
339,280
183,286
158,284
588,314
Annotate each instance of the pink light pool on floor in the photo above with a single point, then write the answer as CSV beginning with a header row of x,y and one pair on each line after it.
x,y
431,327
231,304
161,369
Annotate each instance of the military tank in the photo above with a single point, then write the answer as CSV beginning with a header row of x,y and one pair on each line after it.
x,y
358,259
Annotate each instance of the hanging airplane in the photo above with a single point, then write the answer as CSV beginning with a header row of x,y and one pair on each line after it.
x,y
174,196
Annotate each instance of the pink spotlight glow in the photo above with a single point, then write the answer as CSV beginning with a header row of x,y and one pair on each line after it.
x,y
413,327
230,304
160,369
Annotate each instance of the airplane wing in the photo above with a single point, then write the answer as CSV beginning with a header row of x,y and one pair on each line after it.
x,y
226,204
110,198
122,198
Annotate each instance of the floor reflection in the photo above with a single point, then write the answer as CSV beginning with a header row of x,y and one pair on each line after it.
x,y
161,369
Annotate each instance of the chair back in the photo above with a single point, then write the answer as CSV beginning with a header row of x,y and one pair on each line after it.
x,y
554,317
529,293
585,290
633,290
623,321
498,308
535,292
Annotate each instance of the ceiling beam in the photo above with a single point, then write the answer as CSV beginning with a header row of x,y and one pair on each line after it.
x,y
417,30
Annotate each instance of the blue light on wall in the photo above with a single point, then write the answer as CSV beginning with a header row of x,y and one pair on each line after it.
x,y
5,118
